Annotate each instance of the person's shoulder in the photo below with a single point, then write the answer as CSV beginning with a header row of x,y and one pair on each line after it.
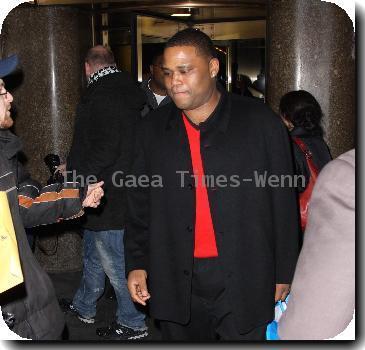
x,y
344,164
123,80
144,84
339,171
117,82
253,110
155,122
249,105
160,115
348,157
119,88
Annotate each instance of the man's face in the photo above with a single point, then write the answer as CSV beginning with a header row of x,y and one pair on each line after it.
x,y
157,73
189,77
5,104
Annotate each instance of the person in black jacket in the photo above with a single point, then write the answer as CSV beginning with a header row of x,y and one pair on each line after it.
x,y
102,148
31,309
207,246
154,86
302,115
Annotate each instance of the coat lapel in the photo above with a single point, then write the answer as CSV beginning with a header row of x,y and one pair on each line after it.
x,y
178,139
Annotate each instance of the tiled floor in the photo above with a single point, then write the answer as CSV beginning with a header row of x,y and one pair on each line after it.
x,y
66,285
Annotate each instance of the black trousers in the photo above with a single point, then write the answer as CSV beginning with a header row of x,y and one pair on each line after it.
x,y
211,316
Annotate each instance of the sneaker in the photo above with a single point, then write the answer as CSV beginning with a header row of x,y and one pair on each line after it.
x,y
119,332
67,307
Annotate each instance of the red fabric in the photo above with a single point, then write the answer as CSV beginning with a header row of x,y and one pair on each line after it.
x,y
205,244
304,197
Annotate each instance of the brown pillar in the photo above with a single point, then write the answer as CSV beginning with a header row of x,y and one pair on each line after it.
x,y
311,47
51,42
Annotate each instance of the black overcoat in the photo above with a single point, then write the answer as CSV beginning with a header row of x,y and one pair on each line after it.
x,y
102,144
256,226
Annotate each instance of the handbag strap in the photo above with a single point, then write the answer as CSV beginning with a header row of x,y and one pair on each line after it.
x,y
308,156
303,147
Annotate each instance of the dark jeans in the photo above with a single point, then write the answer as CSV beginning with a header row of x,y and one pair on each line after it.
x,y
104,254
211,317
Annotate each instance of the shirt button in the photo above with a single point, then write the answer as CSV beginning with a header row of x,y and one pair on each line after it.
x,y
190,186
186,273
190,229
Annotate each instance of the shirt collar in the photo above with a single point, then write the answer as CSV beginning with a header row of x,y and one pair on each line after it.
x,y
101,73
214,117
219,118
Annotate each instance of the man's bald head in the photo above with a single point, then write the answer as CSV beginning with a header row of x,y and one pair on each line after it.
x,y
98,57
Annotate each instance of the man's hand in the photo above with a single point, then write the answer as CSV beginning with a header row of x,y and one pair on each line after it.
x,y
61,169
282,291
93,195
137,286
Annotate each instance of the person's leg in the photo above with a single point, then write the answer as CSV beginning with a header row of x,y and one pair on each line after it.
x,y
228,331
258,333
206,285
226,326
93,278
110,247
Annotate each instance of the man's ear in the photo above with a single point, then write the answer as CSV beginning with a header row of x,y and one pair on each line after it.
x,y
213,67
87,69
151,69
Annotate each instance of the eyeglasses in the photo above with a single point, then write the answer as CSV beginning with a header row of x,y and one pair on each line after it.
x,y
4,94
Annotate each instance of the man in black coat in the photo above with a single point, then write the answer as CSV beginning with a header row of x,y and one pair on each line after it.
x,y
30,309
213,244
154,86
102,149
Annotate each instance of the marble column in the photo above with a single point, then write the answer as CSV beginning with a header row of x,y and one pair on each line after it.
x,y
310,46
51,42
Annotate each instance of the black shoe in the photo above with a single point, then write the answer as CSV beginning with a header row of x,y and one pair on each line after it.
x,y
119,332
67,307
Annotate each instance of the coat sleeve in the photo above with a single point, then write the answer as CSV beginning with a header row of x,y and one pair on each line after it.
x,y
284,203
322,298
136,238
47,205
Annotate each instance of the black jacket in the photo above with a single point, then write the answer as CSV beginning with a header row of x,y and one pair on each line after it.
x,y
318,148
33,303
256,227
103,142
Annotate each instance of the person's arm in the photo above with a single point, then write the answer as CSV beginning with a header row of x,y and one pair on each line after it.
x,y
136,239
137,286
284,205
55,202
322,298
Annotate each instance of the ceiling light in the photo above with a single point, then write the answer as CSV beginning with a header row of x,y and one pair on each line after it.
x,y
181,15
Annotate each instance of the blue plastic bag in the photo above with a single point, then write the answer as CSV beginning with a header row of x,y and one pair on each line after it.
x,y
272,328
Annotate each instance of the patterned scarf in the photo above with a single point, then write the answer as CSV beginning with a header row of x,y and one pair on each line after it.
x,y
101,73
